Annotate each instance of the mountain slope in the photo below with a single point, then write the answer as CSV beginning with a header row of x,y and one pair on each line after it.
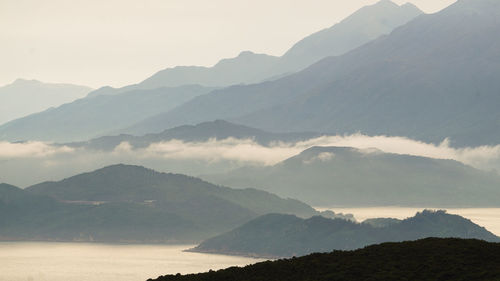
x,y
247,67
427,260
24,97
124,203
27,216
95,115
430,79
285,235
339,176
132,203
363,26
218,130
76,121
125,183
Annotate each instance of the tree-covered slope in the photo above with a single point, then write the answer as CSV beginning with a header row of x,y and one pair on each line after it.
x,y
124,203
127,183
276,235
424,260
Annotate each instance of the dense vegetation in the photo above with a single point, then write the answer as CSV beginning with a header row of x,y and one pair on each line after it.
x,y
427,259
277,235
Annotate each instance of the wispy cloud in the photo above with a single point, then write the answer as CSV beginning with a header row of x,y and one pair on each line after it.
x,y
31,162
30,149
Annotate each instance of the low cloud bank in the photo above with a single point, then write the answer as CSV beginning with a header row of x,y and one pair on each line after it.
x,y
483,157
30,149
32,162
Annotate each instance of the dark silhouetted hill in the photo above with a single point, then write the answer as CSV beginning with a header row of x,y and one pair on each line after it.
x,y
426,260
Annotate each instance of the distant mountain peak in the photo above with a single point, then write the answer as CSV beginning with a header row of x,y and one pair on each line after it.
x,y
246,53
245,57
384,5
123,167
22,81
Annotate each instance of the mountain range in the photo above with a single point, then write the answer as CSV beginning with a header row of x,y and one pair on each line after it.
x,y
277,235
430,79
213,130
364,25
340,176
24,97
122,203
97,115
61,124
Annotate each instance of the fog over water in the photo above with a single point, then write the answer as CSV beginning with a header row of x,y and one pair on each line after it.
x,y
45,261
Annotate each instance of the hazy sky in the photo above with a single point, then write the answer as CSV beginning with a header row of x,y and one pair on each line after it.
x,y
119,42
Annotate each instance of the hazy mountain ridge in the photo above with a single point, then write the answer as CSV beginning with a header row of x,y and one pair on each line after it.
x,y
369,23
286,236
431,79
124,203
448,259
247,67
126,183
97,115
363,26
24,97
404,81
368,177
213,130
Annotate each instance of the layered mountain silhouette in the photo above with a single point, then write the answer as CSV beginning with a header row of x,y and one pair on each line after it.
x,y
24,97
431,79
132,203
428,259
361,27
335,176
97,115
214,130
365,25
247,67
276,235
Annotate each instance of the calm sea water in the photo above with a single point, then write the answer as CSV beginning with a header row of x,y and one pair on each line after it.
x,y
34,261
40,261
486,217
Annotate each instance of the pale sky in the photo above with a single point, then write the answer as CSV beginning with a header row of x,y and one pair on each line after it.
x,y
120,42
